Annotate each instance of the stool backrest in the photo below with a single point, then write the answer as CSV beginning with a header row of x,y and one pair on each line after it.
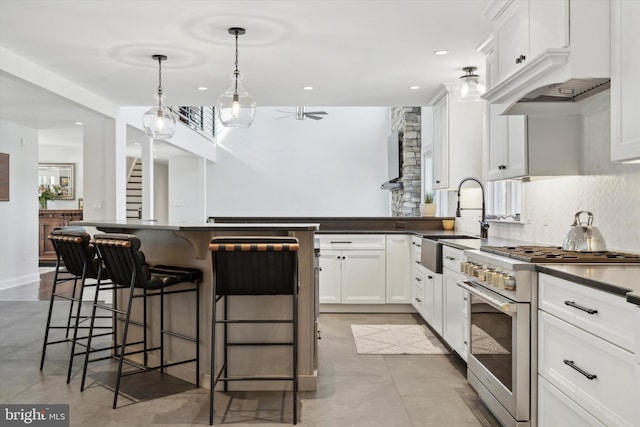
x,y
122,257
74,247
255,265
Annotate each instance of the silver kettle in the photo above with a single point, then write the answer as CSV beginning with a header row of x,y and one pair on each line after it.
x,y
584,237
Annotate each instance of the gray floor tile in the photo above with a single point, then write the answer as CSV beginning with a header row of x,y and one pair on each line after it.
x,y
354,390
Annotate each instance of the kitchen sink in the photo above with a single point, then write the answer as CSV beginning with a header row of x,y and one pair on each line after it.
x,y
431,253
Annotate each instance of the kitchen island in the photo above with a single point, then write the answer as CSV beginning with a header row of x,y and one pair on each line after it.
x,y
187,245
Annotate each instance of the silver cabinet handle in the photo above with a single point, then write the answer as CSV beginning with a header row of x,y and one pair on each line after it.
x,y
341,241
429,277
417,262
582,371
579,307
418,299
450,258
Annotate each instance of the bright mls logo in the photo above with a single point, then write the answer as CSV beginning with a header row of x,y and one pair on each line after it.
x,y
34,415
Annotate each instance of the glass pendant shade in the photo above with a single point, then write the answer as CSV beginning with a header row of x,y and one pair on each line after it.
x,y
471,89
159,122
236,108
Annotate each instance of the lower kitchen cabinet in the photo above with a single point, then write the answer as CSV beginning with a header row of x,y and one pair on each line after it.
x,y
584,353
556,409
455,327
398,269
354,273
432,301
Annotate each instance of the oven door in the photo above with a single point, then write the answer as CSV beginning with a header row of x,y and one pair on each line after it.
x,y
499,347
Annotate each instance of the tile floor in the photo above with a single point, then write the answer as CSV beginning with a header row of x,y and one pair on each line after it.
x,y
354,390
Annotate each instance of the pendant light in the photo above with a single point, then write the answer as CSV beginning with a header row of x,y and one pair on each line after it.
x,y
159,122
471,89
236,108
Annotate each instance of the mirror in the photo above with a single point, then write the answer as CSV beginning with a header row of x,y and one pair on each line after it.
x,y
60,174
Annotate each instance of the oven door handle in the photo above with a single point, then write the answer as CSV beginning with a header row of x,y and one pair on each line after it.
x,y
496,302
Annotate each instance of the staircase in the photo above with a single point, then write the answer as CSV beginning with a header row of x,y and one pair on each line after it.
x,y
134,190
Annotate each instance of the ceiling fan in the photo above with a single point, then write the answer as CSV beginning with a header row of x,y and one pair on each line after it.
x,y
301,114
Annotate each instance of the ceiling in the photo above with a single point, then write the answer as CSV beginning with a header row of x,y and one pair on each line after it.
x,y
352,52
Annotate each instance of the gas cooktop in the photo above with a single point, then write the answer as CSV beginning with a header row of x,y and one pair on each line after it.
x,y
550,254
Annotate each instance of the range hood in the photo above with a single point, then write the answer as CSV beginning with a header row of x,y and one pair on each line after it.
x,y
573,90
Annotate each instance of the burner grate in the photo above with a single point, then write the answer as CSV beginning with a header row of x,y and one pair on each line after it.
x,y
549,254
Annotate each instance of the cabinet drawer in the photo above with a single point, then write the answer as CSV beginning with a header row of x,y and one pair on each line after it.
x,y
352,241
594,373
612,321
555,409
451,258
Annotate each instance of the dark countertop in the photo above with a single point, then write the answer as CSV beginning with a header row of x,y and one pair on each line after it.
x,y
137,224
623,280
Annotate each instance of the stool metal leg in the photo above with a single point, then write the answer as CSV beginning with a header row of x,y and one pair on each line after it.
x,y
161,331
91,325
75,329
198,335
212,352
124,339
53,295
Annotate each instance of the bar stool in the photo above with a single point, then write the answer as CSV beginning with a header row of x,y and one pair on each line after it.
x,y
253,266
77,260
127,269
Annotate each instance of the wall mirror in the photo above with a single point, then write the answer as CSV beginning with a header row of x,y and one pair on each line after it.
x,y
60,174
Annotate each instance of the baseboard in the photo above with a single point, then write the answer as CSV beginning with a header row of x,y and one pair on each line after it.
x,y
367,308
26,279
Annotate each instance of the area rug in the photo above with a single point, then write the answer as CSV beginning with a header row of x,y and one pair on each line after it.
x,y
396,339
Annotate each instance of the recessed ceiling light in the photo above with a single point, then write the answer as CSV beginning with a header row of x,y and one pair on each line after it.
x,y
79,123
308,88
202,88
440,52
414,87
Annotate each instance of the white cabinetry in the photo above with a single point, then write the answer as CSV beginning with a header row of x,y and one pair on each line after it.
x,y
625,87
541,43
457,139
455,329
585,353
352,269
525,29
532,146
398,271
426,293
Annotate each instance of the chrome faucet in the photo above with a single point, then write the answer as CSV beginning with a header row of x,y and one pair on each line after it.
x,y
484,225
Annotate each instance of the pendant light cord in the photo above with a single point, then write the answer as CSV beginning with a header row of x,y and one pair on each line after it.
x,y
159,83
236,72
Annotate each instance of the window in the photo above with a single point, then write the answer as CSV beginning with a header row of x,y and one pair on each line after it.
x,y
504,200
440,198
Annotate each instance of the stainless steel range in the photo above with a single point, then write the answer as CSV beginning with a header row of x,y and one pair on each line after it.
x,y
502,360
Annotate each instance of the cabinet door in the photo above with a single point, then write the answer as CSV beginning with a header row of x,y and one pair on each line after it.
x,y
517,150
625,87
432,305
454,307
497,146
441,143
548,26
330,286
363,277
512,37
398,269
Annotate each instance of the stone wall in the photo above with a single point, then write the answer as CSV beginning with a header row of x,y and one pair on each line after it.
x,y
406,201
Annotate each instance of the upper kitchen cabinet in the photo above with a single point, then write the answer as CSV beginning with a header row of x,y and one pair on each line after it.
x,y
521,146
625,87
457,138
547,52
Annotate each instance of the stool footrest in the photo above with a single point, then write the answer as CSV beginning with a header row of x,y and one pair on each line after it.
x,y
177,335
254,321
261,378
259,343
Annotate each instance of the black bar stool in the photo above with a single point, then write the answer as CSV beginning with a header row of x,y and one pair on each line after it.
x,y
77,260
127,269
253,266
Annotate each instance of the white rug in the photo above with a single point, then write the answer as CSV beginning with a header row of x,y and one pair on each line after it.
x,y
396,339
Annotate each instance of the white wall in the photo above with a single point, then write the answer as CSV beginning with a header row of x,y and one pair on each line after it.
x,y
288,167
63,146
19,216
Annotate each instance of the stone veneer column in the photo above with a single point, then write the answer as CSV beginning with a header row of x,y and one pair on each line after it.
x,y
406,202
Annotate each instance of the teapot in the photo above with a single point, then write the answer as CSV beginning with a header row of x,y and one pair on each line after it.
x,y
584,237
